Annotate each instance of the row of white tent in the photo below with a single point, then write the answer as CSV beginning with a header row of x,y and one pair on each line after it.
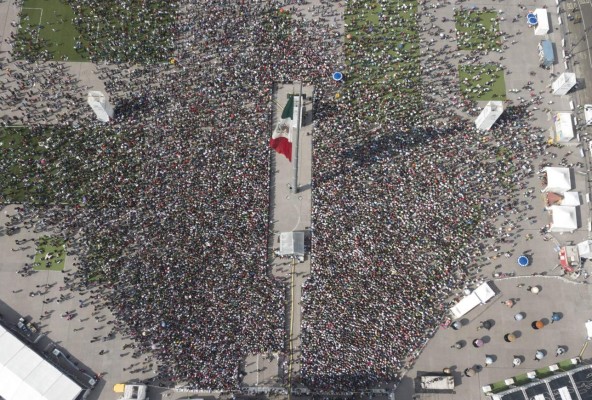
x,y
564,217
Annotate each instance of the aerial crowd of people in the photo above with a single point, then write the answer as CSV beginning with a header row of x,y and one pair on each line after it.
x,y
168,204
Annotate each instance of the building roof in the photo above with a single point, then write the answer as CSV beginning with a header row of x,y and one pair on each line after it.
x,y
573,384
24,374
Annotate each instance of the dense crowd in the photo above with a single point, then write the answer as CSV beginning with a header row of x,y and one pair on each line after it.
x,y
404,196
168,204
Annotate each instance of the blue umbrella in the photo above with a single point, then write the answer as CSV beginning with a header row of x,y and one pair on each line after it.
x,y
533,20
337,76
555,317
523,261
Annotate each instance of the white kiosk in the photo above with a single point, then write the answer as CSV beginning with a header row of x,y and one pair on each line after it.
x,y
542,26
564,83
98,102
491,112
564,129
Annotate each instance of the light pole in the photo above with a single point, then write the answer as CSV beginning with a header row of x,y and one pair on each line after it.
x,y
296,143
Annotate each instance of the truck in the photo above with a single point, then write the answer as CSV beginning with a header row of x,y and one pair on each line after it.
x,y
131,391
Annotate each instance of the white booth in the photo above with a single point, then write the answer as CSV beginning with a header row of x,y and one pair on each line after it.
x,y
563,219
542,26
585,249
564,83
558,180
491,112
100,105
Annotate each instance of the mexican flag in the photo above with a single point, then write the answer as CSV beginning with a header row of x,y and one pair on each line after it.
x,y
281,139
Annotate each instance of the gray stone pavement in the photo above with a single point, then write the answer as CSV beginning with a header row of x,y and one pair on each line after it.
x,y
289,212
557,295
292,212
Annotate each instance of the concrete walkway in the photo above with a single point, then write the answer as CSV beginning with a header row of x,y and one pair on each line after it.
x,y
292,212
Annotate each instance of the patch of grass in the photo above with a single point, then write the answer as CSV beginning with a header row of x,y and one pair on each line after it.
x,y
382,50
522,379
51,254
482,82
47,33
543,372
477,30
566,365
498,386
36,166
21,158
127,30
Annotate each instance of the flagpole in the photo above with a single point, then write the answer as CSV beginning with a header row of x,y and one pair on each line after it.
x,y
296,143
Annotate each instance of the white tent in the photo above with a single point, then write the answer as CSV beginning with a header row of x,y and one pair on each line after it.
x,y
292,244
24,374
564,219
490,113
542,27
564,83
481,295
564,130
571,199
485,292
588,325
585,249
465,305
558,180
100,105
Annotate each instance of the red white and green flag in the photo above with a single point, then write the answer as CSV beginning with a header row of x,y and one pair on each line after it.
x,y
281,139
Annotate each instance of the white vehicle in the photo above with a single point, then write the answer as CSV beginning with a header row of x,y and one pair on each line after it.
x,y
588,113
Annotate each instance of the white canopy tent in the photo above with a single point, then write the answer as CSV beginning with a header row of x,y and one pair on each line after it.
x,y
24,374
485,292
571,199
542,27
564,219
558,179
563,84
292,244
481,295
489,115
465,305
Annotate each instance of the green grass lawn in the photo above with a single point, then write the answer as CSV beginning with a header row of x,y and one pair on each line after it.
x,y
498,386
21,155
34,165
46,25
51,254
67,29
144,31
477,30
482,82
382,50
522,379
